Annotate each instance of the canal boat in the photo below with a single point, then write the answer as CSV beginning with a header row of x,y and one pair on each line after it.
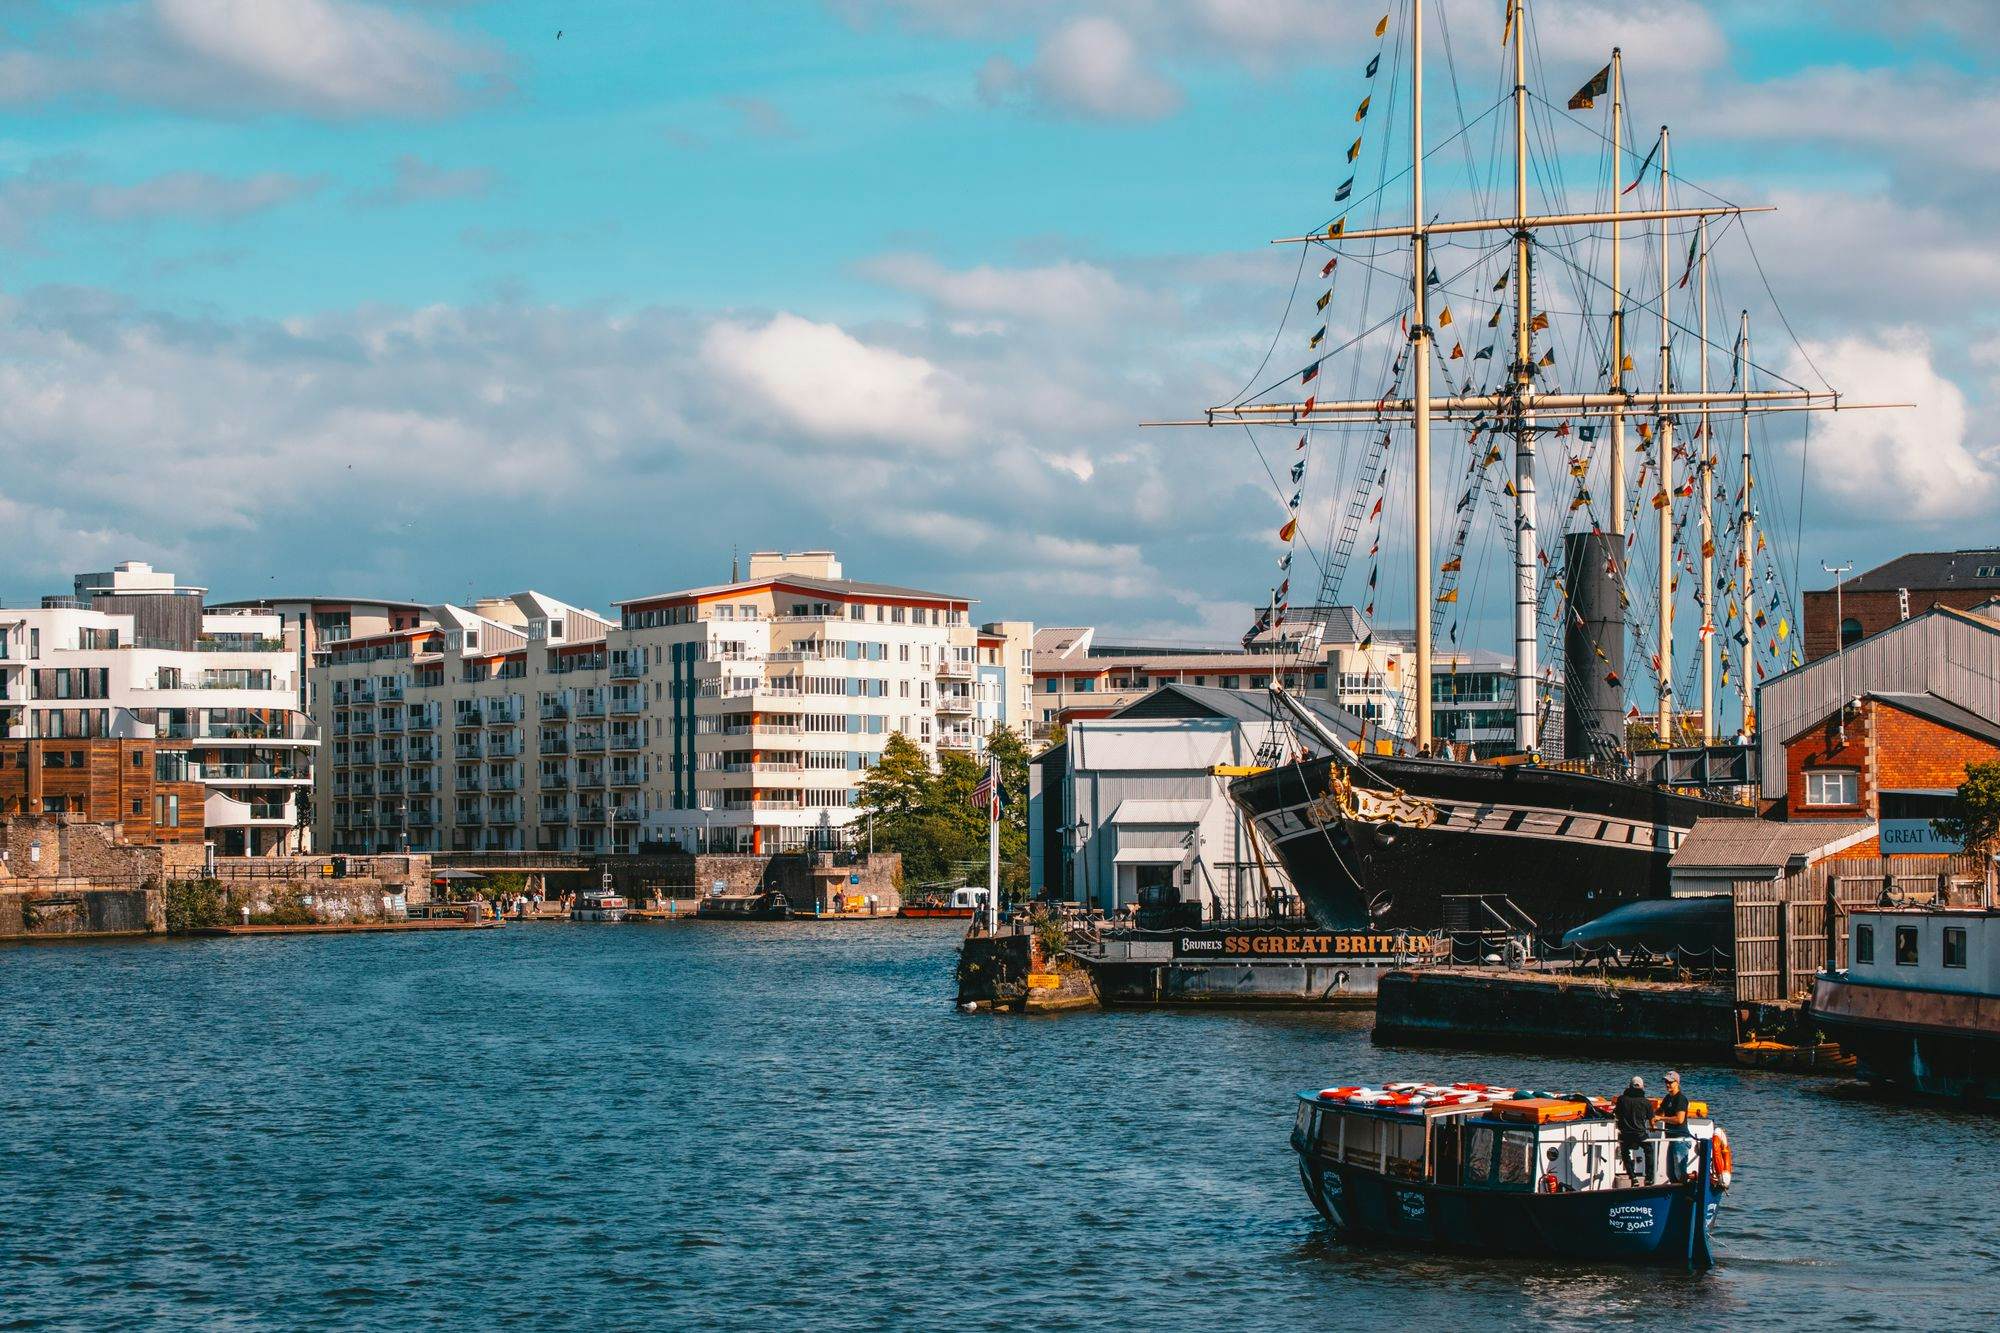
x,y
1918,1004
596,906
961,904
1505,1171
771,905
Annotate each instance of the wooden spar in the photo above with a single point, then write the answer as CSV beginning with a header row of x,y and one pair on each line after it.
x,y
1707,463
1527,626
1724,404
1557,403
1663,465
1617,310
1746,521
1533,222
1420,348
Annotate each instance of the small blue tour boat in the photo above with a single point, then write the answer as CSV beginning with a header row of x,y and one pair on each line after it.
x,y
1507,1171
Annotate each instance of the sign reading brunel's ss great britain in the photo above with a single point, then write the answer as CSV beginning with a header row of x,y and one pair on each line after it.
x,y
1352,945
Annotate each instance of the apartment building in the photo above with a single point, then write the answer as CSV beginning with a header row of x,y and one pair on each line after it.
x,y
736,716
309,624
131,654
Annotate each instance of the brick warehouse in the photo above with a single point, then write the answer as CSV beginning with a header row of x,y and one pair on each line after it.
x,y
1887,595
1891,759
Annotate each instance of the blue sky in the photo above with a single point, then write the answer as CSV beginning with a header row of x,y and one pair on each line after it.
x,y
415,298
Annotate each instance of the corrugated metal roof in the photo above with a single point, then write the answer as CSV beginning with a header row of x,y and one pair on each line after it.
x,y
1764,845
1942,711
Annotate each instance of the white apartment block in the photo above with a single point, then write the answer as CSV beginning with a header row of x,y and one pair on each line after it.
x,y
134,654
740,716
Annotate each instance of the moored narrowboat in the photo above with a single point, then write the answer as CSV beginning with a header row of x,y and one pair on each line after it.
x,y
1506,1171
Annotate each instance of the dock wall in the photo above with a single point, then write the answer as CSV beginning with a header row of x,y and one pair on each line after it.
x,y
1528,1011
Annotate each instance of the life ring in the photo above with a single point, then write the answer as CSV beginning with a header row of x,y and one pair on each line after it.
x,y
1721,1158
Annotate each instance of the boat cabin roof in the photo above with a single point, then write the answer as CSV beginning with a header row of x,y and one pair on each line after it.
x,y
1514,1107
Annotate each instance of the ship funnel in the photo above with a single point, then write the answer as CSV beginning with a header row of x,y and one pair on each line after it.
x,y
1594,648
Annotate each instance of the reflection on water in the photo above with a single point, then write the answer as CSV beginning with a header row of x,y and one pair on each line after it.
x,y
743,1124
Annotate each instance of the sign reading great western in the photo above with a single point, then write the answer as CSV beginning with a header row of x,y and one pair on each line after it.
x,y
1240,945
1914,835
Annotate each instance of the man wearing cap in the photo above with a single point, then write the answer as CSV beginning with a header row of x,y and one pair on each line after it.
x,y
1673,1115
1634,1111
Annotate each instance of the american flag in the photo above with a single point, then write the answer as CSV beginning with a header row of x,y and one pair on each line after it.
x,y
986,796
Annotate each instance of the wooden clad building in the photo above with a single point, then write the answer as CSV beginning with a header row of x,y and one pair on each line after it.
x,y
141,785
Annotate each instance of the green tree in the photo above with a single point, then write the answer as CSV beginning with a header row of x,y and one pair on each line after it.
x,y
899,784
1974,822
1058,733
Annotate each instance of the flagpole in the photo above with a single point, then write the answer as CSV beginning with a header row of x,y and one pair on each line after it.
x,y
1746,522
1705,601
993,845
1420,349
1617,310
1663,444
1526,621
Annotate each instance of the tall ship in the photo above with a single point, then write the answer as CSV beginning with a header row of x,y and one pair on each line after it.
x,y
1502,348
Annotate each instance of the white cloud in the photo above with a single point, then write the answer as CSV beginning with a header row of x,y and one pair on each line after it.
x,y
55,188
329,58
1088,67
1068,292
834,386
1896,465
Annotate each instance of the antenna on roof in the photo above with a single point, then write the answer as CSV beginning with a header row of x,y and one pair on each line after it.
x,y
734,577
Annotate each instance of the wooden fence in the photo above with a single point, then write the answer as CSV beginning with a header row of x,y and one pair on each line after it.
x,y
1783,931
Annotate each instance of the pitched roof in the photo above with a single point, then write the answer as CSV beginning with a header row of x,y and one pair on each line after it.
x,y
1244,706
1764,846
1931,570
1941,711
1061,640
832,587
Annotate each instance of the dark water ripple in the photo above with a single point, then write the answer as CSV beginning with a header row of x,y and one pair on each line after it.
x,y
716,1126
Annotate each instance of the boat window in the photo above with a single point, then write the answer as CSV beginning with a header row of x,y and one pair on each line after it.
x,y
1404,1145
1906,946
1478,1155
1864,944
1517,1158
1954,946
1303,1126
1364,1142
1329,1131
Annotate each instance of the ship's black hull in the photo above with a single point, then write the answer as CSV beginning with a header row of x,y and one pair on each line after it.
x,y
1563,847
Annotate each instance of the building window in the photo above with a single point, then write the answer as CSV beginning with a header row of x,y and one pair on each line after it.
x,y
1850,632
1864,944
1954,946
1906,946
1833,786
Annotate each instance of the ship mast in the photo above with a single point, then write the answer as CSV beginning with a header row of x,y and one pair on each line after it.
x,y
1663,449
1705,463
1746,522
1527,627
1617,311
1420,349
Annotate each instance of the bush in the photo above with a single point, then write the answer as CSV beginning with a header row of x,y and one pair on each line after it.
x,y
195,904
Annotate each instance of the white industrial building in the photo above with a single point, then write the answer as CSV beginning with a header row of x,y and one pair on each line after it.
x,y
1133,802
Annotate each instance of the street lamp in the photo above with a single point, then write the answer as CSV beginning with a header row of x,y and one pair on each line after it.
x,y
707,808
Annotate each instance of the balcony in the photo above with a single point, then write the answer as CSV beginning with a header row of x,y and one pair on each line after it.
x,y
361,692
469,748
625,814
504,747
953,670
627,701
555,814
423,751
466,815
589,813
627,739
391,691
628,777
503,782
555,712
469,782
625,668
423,719
361,726
590,707
952,702
470,717
390,723
555,745
502,715
587,743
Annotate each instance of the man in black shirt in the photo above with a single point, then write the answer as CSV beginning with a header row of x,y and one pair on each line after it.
x,y
1673,1115
1634,1111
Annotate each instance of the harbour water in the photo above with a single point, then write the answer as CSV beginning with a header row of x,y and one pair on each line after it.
x,y
758,1126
